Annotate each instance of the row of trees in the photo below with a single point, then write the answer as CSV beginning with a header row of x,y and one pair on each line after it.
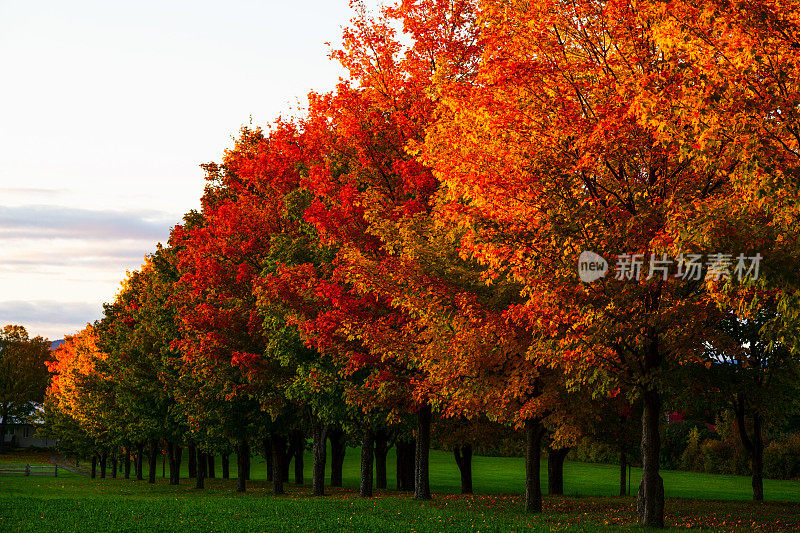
x,y
407,248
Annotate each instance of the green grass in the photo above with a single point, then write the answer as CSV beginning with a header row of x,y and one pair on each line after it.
x,y
76,503
505,475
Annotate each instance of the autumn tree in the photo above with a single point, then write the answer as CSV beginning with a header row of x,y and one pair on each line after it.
x,y
239,392
548,154
77,396
23,375
136,333
363,175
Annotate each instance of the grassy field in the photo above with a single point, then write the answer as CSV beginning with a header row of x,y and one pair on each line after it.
x,y
75,503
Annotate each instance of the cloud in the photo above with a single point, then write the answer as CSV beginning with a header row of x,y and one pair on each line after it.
x,y
28,191
85,256
58,222
51,319
49,311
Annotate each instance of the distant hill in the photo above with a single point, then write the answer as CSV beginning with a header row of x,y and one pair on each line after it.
x,y
56,344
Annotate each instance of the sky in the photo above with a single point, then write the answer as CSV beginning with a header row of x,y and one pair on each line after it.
x,y
107,109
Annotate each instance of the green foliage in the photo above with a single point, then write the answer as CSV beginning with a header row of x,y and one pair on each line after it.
x,y
23,373
676,438
590,450
714,453
691,458
782,458
723,457
725,425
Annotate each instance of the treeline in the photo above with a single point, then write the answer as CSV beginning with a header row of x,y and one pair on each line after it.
x,y
406,251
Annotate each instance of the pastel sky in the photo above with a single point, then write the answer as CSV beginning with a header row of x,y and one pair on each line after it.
x,y
106,111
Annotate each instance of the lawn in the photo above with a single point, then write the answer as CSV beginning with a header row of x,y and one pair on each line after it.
x,y
74,502
505,475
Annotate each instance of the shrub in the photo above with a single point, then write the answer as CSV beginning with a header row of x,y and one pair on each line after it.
x,y
692,457
675,439
589,450
724,457
512,445
782,458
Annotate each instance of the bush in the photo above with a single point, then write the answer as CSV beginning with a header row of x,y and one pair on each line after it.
x,y
715,453
503,447
675,439
692,456
782,458
723,457
589,450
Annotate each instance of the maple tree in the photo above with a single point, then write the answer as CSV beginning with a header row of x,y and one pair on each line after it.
x,y
365,176
548,154
136,334
459,334
727,90
225,342
76,396
212,329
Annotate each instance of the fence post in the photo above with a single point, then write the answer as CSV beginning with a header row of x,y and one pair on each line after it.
x,y
27,470
56,470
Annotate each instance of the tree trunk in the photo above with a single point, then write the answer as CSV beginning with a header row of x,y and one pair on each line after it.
x,y
278,458
202,466
94,465
299,449
242,454
623,467
367,447
286,458
127,461
114,464
192,460
3,424
555,470
153,461
757,462
406,464
338,450
422,487
381,451
266,444
247,464
140,460
210,466
174,453
200,470
178,456
463,455
226,466
754,446
103,459
651,490
320,430
533,457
